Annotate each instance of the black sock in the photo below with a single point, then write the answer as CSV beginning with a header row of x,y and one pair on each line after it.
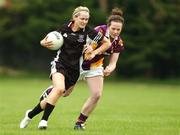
x,y
81,119
35,111
47,111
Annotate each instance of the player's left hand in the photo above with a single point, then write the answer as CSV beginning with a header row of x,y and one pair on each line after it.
x,y
108,70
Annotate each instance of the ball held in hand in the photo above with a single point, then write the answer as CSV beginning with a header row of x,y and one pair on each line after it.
x,y
56,38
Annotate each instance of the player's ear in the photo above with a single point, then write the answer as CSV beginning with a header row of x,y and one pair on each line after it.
x,y
75,17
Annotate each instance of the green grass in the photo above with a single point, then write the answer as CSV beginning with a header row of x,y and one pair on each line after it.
x,y
126,108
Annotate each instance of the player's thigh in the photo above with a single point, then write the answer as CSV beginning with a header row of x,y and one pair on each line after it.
x,y
58,81
95,84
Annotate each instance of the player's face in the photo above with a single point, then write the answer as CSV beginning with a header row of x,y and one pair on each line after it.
x,y
82,19
115,29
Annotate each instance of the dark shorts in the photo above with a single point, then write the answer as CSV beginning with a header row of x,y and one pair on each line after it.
x,y
71,75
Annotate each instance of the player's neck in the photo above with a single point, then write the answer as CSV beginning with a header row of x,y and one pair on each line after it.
x,y
74,27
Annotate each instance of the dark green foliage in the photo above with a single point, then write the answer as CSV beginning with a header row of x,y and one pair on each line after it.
x,y
151,34
151,37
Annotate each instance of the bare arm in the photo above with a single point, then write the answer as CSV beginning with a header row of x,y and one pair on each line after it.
x,y
112,64
105,45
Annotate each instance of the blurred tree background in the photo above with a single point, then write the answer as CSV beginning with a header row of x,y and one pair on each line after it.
x,y
151,34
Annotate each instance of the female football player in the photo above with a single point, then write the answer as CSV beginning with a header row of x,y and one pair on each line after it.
x,y
92,70
65,67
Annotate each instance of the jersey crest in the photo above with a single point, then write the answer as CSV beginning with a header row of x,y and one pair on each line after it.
x,y
80,38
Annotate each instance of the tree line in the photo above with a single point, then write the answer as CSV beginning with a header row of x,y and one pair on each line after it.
x,y
150,34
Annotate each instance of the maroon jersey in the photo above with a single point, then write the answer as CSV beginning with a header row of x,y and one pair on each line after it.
x,y
116,47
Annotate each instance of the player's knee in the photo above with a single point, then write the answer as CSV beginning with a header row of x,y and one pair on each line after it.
x,y
97,96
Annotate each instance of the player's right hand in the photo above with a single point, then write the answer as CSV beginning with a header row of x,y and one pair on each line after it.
x,y
88,49
45,43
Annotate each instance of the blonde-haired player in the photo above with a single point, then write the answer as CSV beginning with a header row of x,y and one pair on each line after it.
x,y
65,67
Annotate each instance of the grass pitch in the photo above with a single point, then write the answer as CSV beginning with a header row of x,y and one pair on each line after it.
x,y
126,108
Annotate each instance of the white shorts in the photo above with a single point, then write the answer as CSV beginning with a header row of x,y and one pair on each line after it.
x,y
91,73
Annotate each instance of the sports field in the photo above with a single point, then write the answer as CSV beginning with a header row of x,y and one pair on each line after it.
x,y
126,108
